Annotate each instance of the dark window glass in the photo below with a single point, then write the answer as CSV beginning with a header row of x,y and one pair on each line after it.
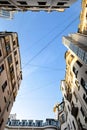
x,y
61,3
15,52
1,68
14,43
0,53
9,59
4,2
8,49
84,84
75,71
8,106
85,98
12,72
86,72
80,65
62,119
5,99
4,86
17,62
74,125
42,3
11,6
66,128
1,122
0,109
82,111
22,2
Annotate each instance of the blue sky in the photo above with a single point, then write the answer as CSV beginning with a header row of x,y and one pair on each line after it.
x,y
40,87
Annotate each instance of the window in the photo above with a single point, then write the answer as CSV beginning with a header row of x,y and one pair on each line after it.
x,y
1,68
81,109
17,62
5,99
8,47
86,72
85,98
1,122
22,2
85,58
66,128
11,69
74,125
11,6
14,43
42,3
9,59
62,118
4,2
4,86
61,107
0,53
0,109
30,123
8,105
84,84
61,3
8,92
79,64
15,52
75,71
12,72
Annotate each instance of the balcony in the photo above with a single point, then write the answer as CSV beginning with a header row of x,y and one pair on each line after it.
x,y
61,107
30,123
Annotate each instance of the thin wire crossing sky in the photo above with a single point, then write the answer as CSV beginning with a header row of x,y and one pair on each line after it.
x,y
42,57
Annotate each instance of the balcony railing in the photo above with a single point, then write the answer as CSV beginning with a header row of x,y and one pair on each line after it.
x,y
29,123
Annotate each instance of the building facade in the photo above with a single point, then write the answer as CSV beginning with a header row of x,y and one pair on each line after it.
x,y
10,73
72,111
6,14
77,44
35,5
83,18
15,124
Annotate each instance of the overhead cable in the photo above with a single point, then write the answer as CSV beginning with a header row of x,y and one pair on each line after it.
x,y
50,42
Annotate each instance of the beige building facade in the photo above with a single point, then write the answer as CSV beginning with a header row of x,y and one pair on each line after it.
x,y
35,5
10,73
72,111
83,18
